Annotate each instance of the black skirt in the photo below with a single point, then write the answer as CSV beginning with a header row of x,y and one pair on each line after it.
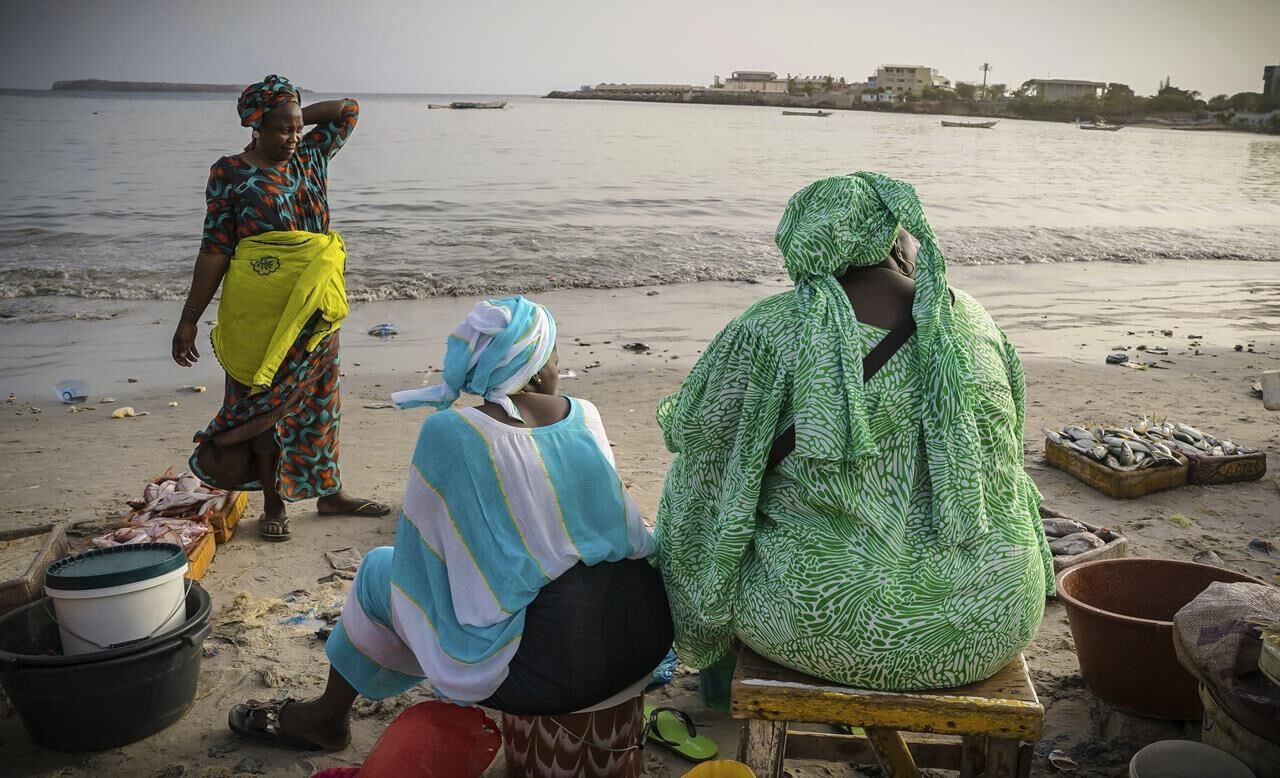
x,y
588,635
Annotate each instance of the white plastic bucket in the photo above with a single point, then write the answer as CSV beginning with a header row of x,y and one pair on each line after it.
x,y
1271,390
1186,759
97,619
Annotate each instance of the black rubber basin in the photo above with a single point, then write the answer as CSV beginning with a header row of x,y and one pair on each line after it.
x,y
103,699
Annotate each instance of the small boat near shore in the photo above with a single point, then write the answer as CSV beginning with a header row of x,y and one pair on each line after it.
x,y
459,105
971,125
821,114
1102,126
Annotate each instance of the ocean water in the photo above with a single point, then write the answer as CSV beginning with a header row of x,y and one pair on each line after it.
x,y
101,196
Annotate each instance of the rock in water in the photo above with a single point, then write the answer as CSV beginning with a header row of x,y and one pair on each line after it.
x,y
1076,543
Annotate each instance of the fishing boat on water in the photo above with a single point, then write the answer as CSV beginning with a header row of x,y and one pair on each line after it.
x,y
971,125
1103,126
464,104
806,113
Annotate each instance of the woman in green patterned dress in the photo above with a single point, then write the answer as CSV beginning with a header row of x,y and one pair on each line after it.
x,y
898,545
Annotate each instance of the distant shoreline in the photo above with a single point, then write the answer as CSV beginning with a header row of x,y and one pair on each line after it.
x,y
103,85
841,102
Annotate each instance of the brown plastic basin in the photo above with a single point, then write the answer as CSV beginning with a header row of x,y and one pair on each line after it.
x,y
1121,614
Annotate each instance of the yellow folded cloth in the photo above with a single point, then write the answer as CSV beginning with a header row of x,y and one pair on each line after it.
x,y
275,283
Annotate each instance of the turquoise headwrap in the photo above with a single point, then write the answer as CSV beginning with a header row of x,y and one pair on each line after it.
x,y
493,353
853,220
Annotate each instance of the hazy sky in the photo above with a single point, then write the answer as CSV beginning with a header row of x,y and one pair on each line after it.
x,y
533,46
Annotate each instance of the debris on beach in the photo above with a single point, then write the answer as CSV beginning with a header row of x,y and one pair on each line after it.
x,y
384,330
72,392
1265,546
378,406
637,347
1062,762
344,561
106,401
1210,558
195,389
125,412
173,404
1117,359
81,408
567,374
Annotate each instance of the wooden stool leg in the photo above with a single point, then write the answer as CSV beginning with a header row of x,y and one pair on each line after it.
x,y
764,747
973,756
1002,758
892,753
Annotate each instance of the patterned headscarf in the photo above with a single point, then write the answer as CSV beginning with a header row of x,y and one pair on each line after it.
x,y
258,100
853,221
494,352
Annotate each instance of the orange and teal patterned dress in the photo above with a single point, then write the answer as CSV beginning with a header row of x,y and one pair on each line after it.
x,y
303,404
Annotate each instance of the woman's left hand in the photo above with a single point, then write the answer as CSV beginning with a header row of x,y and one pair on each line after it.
x,y
185,352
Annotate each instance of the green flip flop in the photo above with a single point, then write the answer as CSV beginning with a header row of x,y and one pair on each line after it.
x,y
674,729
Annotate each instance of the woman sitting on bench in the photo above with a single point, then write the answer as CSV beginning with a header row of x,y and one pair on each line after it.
x,y
848,497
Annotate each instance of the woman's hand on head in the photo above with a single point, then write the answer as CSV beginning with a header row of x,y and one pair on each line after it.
x,y
185,352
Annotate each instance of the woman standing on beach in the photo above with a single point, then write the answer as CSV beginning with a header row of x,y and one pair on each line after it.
x,y
267,243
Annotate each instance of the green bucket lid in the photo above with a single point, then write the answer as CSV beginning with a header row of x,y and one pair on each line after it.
x,y
103,568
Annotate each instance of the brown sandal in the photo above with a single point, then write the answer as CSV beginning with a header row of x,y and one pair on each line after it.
x,y
275,530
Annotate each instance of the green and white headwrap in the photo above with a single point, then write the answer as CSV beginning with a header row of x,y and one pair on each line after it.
x,y
852,221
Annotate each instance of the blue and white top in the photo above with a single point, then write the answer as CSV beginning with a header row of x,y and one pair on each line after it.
x,y
491,514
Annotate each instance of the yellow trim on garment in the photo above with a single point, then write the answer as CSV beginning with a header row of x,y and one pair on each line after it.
x,y
273,286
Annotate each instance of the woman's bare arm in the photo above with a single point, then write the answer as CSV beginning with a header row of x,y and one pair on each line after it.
x,y
205,279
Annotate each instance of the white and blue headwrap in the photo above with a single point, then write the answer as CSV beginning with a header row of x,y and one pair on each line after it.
x,y
494,353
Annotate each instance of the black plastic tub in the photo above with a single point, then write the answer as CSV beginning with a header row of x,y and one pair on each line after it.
x,y
103,699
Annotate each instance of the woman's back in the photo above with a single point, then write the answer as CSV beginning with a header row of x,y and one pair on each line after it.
x,y
845,577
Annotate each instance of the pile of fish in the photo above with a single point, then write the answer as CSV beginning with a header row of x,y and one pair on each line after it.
x,y
1068,537
1188,439
183,532
1148,443
172,509
1120,448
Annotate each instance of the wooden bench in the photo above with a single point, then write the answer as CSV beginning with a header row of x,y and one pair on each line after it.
x,y
984,729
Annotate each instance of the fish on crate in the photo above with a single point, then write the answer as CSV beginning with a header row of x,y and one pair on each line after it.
x,y
182,496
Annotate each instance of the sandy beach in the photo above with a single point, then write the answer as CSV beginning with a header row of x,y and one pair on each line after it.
x,y
1064,318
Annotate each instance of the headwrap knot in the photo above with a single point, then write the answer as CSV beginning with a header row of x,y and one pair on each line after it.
x,y
258,100
493,353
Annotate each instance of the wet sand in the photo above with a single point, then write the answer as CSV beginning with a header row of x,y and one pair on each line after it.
x,y
1064,318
